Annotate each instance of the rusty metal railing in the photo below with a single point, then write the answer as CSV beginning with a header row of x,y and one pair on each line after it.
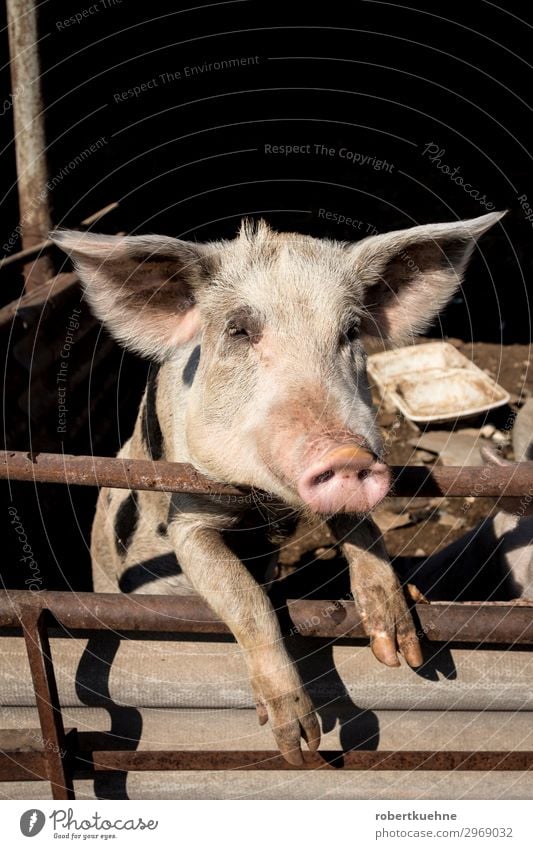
x,y
414,481
66,754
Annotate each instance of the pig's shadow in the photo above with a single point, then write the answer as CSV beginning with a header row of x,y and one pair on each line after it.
x,y
358,727
92,688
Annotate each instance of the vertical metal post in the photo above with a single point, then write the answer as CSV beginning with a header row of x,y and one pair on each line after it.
x,y
58,760
30,142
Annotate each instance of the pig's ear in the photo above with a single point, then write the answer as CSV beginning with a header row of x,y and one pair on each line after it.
x,y
142,287
410,275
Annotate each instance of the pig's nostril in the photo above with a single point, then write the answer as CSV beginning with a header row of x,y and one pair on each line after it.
x,y
323,477
362,475
347,478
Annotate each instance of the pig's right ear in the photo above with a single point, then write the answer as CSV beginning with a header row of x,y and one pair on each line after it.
x,y
142,287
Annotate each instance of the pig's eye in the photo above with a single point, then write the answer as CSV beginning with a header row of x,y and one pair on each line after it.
x,y
244,326
350,334
236,331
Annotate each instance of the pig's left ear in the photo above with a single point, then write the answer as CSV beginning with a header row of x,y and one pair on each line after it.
x,y
142,287
410,275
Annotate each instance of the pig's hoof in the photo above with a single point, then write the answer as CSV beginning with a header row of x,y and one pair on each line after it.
x,y
292,718
415,595
389,624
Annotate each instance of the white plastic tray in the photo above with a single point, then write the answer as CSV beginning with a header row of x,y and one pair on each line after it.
x,y
434,382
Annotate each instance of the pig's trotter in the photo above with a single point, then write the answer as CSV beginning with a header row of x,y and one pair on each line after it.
x,y
415,595
291,716
387,619
377,593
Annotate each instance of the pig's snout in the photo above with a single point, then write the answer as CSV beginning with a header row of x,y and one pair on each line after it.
x,y
345,479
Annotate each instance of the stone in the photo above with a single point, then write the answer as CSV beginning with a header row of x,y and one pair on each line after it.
x,y
386,520
454,448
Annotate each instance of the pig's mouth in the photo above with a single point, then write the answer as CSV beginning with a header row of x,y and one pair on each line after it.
x,y
344,477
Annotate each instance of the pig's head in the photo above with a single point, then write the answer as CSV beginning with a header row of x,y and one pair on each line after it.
x,y
273,324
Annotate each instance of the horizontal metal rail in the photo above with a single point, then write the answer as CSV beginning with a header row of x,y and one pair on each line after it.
x,y
463,481
20,765
507,623
268,760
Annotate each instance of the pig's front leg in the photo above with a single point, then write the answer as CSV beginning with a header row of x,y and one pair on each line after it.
x,y
225,583
377,591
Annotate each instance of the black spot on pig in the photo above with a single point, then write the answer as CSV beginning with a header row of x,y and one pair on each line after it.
x,y
126,523
191,366
151,429
160,567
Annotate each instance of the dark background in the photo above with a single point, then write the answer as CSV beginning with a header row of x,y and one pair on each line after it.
x,y
187,156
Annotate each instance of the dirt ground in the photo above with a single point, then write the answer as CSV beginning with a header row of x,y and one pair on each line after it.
x,y
427,525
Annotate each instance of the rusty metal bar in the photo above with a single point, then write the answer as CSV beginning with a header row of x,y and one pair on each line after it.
x,y
108,471
22,766
413,481
99,611
30,766
30,142
507,623
482,623
464,481
23,755
47,244
58,767
269,760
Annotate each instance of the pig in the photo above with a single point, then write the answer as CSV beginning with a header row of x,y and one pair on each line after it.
x,y
258,378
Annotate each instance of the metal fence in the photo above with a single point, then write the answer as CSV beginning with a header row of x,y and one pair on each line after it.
x,y
64,754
